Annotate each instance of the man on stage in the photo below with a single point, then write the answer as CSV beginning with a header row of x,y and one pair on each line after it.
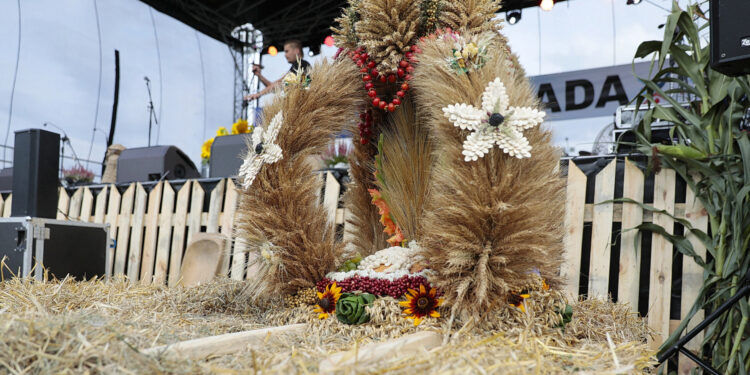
x,y
293,54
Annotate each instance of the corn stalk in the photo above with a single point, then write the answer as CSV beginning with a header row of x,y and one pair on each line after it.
x,y
707,140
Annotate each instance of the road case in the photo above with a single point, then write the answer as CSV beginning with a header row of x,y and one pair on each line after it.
x,y
30,244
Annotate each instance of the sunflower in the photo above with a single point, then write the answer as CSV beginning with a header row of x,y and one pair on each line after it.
x,y
222,131
327,301
240,127
206,149
420,304
517,300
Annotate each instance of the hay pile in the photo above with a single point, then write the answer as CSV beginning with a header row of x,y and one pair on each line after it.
x,y
99,327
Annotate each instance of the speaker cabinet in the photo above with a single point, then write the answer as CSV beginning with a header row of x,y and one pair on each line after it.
x,y
730,36
36,159
154,163
226,155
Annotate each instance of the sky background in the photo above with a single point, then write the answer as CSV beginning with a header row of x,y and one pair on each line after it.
x,y
61,79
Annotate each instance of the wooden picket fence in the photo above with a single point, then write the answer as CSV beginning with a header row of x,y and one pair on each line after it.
x,y
152,228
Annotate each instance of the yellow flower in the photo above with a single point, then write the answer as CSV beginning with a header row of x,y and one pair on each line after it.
x,y
222,131
420,304
517,300
240,127
206,149
327,301
470,51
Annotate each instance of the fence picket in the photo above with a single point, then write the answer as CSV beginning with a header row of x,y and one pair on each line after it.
x,y
136,233
74,212
113,208
152,223
214,207
196,209
63,203
331,197
2,205
659,293
601,232
227,229
101,204
630,244
87,205
692,274
573,237
178,236
8,205
123,232
165,234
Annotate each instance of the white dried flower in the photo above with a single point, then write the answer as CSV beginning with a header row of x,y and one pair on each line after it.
x,y
264,151
496,123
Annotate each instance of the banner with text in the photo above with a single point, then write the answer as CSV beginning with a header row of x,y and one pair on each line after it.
x,y
589,93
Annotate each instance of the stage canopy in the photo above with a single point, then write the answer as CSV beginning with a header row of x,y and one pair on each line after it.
x,y
279,20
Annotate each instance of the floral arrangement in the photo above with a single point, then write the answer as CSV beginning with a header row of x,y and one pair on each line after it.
x,y
336,154
468,54
264,151
241,126
77,174
397,237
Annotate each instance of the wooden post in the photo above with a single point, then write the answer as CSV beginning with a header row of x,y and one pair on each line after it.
x,y
331,197
660,288
123,232
63,203
101,203
136,233
573,239
87,205
196,209
165,234
7,205
152,225
630,244
601,232
74,212
223,344
178,237
113,209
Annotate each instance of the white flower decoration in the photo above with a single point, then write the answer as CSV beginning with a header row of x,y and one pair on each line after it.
x,y
264,151
496,123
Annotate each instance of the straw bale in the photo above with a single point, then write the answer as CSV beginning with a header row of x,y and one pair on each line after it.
x,y
99,327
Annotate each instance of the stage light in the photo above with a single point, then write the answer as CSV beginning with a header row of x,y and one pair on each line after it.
x,y
633,2
310,53
272,50
513,16
547,5
328,41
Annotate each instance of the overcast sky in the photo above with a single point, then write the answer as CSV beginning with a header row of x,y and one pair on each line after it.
x,y
59,79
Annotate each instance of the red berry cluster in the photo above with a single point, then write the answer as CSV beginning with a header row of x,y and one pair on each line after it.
x,y
365,126
371,74
379,287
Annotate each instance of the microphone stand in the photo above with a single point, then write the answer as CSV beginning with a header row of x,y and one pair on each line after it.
x,y
65,139
152,113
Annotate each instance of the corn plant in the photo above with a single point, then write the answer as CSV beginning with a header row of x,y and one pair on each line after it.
x,y
710,150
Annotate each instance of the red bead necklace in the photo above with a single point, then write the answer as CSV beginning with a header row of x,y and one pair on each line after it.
x,y
371,73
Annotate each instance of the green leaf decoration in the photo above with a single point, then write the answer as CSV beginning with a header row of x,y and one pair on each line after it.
x,y
566,316
350,309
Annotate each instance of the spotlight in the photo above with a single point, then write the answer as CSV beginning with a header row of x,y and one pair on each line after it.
x,y
634,2
547,5
272,50
328,41
513,16
310,53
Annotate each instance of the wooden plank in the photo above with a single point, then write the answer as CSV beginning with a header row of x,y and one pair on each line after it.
x,y
123,230
63,203
196,209
227,228
692,274
2,204
113,209
101,205
331,197
601,232
630,244
414,343
165,234
74,210
152,226
87,204
8,205
224,344
588,213
214,207
136,233
575,198
178,236
659,293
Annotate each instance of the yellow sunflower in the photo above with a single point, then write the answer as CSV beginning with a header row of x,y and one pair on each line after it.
x,y
420,304
222,131
206,149
517,300
240,127
327,301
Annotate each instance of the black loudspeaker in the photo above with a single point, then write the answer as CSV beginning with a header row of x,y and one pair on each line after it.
x,y
226,155
730,36
154,163
36,160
